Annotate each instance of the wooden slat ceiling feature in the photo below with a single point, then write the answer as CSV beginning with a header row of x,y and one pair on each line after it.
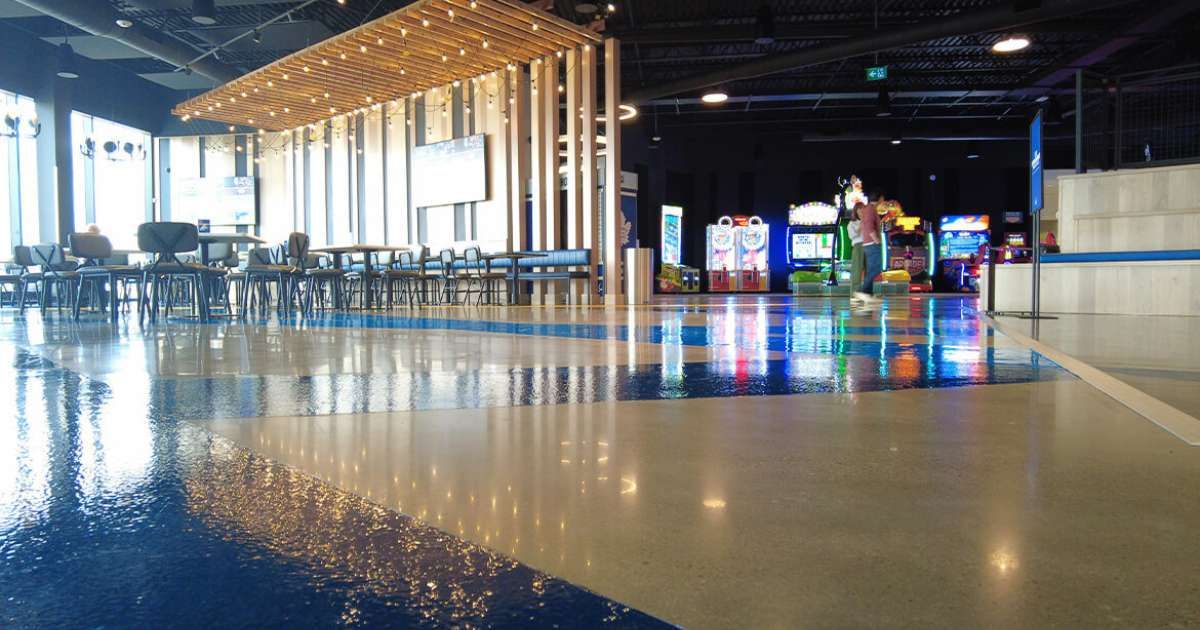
x,y
428,44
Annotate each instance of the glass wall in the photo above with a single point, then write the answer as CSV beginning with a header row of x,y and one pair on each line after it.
x,y
112,177
19,220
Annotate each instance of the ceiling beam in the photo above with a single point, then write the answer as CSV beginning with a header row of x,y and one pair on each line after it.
x,y
995,18
1166,15
99,18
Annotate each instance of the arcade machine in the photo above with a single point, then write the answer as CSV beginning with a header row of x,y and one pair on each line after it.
x,y
1015,249
812,239
675,277
963,243
720,260
908,246
750,237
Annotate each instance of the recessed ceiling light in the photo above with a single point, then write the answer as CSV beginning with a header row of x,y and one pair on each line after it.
x,y
124,22
714,97
1011,43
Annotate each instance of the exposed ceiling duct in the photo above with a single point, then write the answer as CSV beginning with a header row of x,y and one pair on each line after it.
x,y
1002,16
99,18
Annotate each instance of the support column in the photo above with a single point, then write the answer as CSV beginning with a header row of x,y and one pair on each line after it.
x,y
614,287
1079,168
590,203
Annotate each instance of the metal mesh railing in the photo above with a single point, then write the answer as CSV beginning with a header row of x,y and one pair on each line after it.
x,y
1158,118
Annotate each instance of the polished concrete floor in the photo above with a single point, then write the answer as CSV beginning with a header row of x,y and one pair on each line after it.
x,y
1159,355
708,462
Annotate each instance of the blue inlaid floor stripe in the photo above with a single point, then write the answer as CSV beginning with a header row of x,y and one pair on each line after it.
x,y
696,336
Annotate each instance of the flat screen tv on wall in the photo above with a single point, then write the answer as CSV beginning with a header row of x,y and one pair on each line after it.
x,y
450,172
219,200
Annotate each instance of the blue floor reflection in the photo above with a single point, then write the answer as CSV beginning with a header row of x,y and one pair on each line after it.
x,y
114,513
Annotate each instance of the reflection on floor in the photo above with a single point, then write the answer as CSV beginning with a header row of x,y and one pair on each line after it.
x,y
713,462
1159,355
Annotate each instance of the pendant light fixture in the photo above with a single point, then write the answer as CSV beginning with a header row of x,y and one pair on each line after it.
x,y
204,12
65,62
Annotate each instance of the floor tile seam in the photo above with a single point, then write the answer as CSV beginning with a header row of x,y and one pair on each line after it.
x,y
1178,423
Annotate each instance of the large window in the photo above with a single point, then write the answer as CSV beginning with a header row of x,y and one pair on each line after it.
x,y
19,220
112,182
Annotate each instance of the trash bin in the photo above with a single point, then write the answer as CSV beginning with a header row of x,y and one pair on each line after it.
x,y
639,275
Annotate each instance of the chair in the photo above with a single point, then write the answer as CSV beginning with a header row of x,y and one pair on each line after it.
x,y
402,274
11,277
307,269
223,260
95,250
23,260
480,274
262,267
166,240
362,278
449,276
58,274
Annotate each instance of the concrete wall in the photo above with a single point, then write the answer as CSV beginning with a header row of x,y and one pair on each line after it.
x,y
1131,210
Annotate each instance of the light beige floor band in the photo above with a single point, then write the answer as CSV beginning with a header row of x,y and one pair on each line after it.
x,y
1182,425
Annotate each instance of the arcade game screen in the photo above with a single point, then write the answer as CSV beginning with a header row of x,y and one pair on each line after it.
x,y
813,245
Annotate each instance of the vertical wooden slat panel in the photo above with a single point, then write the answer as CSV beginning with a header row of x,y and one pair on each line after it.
x,y
537,136
374,231
574,192
397,173
614,289
590,203
516,107
492,215
550,148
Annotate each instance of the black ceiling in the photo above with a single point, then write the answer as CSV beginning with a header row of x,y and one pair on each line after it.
x,y
953,77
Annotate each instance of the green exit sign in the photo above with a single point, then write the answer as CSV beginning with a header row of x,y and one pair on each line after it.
x,y
877,73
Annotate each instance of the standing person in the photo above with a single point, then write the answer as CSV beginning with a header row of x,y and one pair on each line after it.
x,y
872,248
854,229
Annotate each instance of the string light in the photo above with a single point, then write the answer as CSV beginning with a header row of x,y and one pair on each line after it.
x,y
343,56
425,22
244,95
461,51
403,32
450,13
558,53
535,26
270,84
444,57
379,41
231,128
287,110
362,49
485,44
474,4
285,76
324,62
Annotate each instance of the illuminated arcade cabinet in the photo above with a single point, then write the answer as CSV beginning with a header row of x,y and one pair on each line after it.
x,y
909,246
675,277
750,237
720,258
812,240
962,244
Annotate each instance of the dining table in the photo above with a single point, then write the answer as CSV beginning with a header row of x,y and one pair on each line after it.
x,y
337,251
233,238
515,295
